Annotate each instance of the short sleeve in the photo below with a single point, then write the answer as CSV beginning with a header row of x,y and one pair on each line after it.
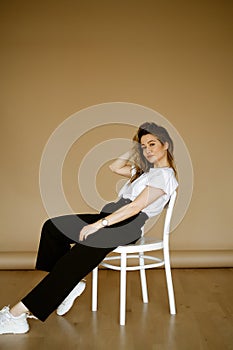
x,y
163,179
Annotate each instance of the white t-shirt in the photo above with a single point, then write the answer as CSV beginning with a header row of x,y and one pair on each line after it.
x,y
163,178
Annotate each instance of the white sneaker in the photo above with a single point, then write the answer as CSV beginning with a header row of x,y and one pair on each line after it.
x,y
12,324
67,303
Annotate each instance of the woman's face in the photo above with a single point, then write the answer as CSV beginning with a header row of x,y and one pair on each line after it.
x,y
153,150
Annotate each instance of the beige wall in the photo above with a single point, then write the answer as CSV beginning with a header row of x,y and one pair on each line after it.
x,y
175,57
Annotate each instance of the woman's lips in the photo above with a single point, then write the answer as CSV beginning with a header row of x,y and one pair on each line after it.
x,y
149,157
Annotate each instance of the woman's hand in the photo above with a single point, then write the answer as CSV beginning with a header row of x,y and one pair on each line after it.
x,y
122,165
89,230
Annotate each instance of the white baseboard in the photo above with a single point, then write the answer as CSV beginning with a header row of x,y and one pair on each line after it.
x,y
179,259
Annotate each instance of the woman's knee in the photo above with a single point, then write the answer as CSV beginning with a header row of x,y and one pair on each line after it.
x,y
49,229
57,229
46,226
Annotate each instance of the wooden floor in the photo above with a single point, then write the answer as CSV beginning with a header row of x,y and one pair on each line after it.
x,y
204,319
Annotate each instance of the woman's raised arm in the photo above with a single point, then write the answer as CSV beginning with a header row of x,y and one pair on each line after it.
x,y
123,164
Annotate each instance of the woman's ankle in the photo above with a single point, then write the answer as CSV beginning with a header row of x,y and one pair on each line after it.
x,y
18,309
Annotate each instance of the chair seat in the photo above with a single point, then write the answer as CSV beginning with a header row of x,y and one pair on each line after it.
x,y
144,244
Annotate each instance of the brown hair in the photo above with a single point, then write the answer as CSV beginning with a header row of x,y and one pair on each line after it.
x,y
140,162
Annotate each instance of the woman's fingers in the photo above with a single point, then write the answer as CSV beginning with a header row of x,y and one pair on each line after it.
x,y
86,231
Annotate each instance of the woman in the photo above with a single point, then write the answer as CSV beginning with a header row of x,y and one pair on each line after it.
x,y
71,246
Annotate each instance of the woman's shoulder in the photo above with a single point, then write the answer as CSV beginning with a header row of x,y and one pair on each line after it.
x,y
161,171
162,174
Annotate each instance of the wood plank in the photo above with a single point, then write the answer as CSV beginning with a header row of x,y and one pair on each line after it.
x,y
204,317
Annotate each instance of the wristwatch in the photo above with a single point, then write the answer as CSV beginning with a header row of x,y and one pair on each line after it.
x,y
104,222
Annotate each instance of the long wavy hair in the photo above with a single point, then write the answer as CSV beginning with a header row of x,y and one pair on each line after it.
x,y
141,165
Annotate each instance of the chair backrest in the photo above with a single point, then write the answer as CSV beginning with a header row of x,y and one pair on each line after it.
x,y
169,210
168,216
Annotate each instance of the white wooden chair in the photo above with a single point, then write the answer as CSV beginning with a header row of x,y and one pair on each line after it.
x,y
138,250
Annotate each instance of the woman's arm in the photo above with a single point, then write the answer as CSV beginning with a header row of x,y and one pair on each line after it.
x,y
122,166
145,198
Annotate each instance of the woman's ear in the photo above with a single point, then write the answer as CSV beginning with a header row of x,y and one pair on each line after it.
x,y
166,145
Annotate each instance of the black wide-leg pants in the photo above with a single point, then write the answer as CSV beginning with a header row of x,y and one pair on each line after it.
x,y
68,263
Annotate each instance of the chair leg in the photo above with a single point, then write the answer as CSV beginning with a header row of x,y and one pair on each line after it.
x,y
169,283
94,288
123,289
143,279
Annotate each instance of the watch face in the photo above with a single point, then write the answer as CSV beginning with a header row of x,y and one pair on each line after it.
x,y
105,222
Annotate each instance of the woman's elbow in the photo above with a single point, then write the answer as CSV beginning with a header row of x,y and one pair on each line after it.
x,y
113,169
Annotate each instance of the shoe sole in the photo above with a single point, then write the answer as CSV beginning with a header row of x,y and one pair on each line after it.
x,y
15,332
63,313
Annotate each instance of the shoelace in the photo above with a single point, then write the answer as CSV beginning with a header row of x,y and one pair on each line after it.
x,y
32,316
5,315
3,311
4,319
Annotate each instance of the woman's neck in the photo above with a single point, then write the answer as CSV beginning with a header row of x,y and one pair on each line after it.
x,y
163,163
